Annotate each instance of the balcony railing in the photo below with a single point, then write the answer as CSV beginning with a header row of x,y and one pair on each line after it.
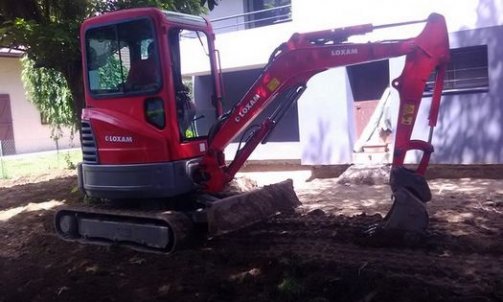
x,y
254,19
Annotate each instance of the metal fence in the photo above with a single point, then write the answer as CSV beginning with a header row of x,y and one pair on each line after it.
x,y
7,147
253,19
40,159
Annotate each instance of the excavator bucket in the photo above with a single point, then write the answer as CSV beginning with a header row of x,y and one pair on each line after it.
x,y
242,210
408,213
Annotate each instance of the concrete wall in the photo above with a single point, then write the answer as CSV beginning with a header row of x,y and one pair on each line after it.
x,y
470,126
29,133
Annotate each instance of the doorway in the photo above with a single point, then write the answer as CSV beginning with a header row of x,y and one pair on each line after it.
x,y
368,83
6,127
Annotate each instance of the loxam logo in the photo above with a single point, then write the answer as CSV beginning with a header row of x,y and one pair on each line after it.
x,y
242,113
118,139
344,52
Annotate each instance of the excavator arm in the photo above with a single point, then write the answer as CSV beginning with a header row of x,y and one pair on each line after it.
x,y
294,62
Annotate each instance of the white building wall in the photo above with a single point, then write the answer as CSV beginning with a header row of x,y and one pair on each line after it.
x,y
225,10
460,15
325,112
251,49
29,133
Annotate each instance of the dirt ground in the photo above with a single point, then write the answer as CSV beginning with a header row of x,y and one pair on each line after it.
x,y
317,254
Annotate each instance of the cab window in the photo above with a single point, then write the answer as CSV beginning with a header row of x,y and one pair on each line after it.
x,y
189,54
123,58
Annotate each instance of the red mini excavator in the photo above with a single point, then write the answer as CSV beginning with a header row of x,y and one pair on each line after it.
x,y
148,134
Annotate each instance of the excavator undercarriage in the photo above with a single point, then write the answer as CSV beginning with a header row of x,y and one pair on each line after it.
x,y
163,227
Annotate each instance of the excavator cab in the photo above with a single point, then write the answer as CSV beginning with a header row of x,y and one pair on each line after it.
x,y
144,126
145,130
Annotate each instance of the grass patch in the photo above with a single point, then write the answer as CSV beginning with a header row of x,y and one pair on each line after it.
x,y
14,167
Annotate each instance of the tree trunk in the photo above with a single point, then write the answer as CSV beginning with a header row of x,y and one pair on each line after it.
x,y
73,76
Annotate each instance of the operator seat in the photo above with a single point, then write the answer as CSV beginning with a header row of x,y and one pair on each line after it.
x,y
144,74
186,109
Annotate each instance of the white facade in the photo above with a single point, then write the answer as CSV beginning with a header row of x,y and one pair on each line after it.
x,y
29,134
326,131
243,49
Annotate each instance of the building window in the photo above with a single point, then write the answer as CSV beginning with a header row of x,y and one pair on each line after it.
x,y
368,83
467,72
368,80
267,12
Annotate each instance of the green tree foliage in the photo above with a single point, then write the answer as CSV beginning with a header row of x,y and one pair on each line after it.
x,y
48,90
48,31
112,73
